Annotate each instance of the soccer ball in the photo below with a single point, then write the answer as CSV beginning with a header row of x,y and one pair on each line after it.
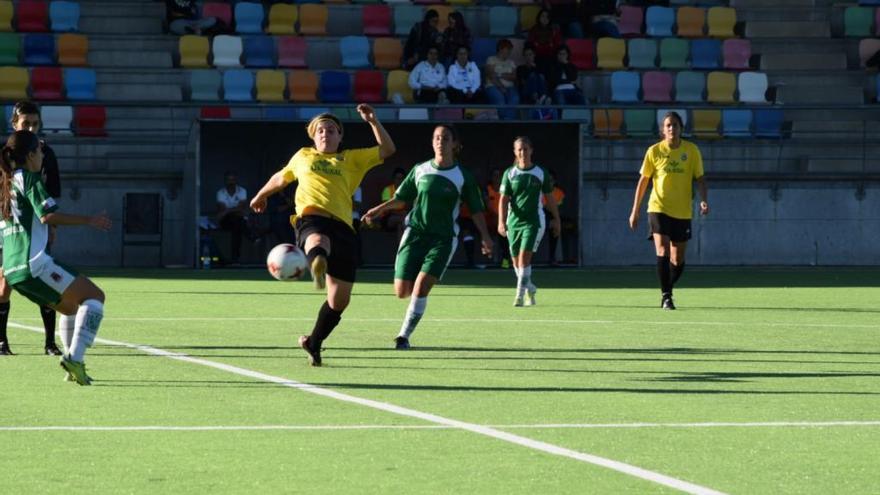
x,y
286,262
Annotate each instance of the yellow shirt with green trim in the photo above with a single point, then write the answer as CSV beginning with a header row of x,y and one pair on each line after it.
x,y
673,172
328,180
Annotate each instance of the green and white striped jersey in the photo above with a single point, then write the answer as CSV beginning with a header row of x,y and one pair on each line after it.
x,y
525,187
435,194
24,237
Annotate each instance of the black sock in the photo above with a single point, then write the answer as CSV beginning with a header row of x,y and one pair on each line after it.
x,y
663,275
314,253
48,315
327,320
4,319
675,272
469,251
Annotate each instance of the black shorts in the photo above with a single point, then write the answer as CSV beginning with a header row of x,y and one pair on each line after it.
x,y
342,261
677,229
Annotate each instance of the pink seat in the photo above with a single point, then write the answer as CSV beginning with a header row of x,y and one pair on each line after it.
x,y
292,51
377,20
657,87
219,10
630,22
736,53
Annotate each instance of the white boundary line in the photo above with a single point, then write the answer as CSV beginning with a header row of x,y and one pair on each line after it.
x,y
621,467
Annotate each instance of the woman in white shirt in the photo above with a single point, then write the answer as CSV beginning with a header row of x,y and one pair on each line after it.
x,y
428,79
501,80
463,79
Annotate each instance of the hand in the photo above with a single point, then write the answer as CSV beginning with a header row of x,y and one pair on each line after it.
x,y
633,220
555,227
258,204
367,113
371,215
487,246
502,229
704,208
101,221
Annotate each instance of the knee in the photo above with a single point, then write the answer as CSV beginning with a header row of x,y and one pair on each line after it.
x,y
339,303
402,292
97,294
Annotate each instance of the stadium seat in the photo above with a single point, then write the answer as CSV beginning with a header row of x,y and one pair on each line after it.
x,y
282,19
215,113
690,22
867,48
405,17
63,16
39,49
482,49
446,114
376,20
204,85
582,52
858,21
736,53
227,51
46,83
13,83
720,87
221,11
610,53
387,53
313,20
249,18
280,113
307,113
292,51
334,87
56,119
721,22
639,122
690,86
398,84
410,113
81,84
259,51
368,86
642,53
6,15
502,20
657,87
32,16
528,15
705,54
73,49
736,123
625,87
630,20
270,85
753,87
607,122
90,121
706,123
193,51
238,85
661,114
659,21
303,86
674,53
10,45
355,52
582,115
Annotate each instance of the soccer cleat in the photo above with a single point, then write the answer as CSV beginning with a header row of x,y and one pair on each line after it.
x,y
77,370
401,343
319,269
530,297
518,301
52,350
5,350
314,354
667,303
68,377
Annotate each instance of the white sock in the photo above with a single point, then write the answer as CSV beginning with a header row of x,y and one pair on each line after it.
x,y
524,280
88,319
65,330
414,313
527,278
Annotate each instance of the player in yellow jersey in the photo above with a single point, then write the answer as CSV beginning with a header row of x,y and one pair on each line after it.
x,y
327,180
672,165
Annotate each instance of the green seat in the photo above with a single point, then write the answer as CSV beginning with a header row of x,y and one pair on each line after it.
x,y
639,123
642,53
857,21
9,47
674,53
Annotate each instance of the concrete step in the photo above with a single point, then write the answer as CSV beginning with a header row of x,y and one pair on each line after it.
x,y
847,95
841,165
759,4
140,92
164,43
793,29
123,58
142,76
781,14
122,25
810,46
820,79
803,61
122,9
845,129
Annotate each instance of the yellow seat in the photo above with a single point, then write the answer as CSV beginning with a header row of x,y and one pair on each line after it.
x,y
720,87
610,53
313,19
722,21
690,21
73,49
270,85
387,53
398,84
706,123
528,14
14,83
282,19
6,13
303,86
607,122
193,51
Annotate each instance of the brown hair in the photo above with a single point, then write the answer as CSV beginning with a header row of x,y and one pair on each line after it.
x,y
673,115
525,140
19,145
24,108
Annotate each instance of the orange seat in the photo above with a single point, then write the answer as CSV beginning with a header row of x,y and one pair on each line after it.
x,y
387,53
313,19
303,86
608,122
73,49
690,21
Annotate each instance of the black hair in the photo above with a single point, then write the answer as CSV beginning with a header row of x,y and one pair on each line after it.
x,y
430,14
19,145
673,115
24,107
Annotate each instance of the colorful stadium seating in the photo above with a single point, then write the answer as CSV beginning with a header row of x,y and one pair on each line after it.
x,y
405,17
528,16
657,87
639,122
64,16
642,53
292,51
270,85
659,21
630,20
355,52
13,83
387,53
259,51
38,49
313,20
80,84
238,85
705,54
334,87
10,45
46,83
858,21
215,113
303,86
690,21
706,123
721,22
736,53
56,119
674,53
376,20
227,51
753,87
280,113
282,19
768,123
582,52
625,87
720,87
249,18
607,123
690,86
32,16
221,11
398,84
736,123
205,85
502,20
73,50
6,15
90,121
482,49
368,86
193,51
610,53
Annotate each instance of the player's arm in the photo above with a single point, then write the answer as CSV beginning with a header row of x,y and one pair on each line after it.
x,y
275,184
100,221
503,203
479,220
703,190
383,208
553,208
383,139
641,187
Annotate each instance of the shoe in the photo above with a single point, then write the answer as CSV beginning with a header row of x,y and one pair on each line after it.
x,y
667,303
319,270
314,354
530,297
518,301
77,370
401,343
52,350
68,377
5,350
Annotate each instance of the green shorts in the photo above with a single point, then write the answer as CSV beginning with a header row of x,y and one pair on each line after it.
x,y
525,238
47,288
423,253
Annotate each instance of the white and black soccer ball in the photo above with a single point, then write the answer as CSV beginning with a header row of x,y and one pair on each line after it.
x,y
286,262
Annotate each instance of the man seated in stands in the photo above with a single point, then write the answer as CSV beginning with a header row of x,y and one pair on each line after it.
x,y
428,79
232,207
184,18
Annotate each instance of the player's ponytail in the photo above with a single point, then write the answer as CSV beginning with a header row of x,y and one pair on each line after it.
x,y
5,182
15,153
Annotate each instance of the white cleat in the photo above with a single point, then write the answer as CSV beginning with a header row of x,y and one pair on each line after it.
x,y
530,297
518,301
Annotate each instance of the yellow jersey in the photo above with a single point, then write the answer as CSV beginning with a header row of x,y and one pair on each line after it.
x,y
673,172
327,181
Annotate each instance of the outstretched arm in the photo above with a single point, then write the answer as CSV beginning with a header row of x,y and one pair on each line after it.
x,y
100,221
383,139
272,186
380,210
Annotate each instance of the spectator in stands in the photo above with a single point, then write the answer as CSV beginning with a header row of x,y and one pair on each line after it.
x,y
601,18
493,194
422,37
232,207
564,13
545,38
533,86
428,79
455,36
393,221
183,17
501,80
553,240
562,79
463,79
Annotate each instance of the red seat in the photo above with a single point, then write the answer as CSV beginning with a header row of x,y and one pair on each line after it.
x,y
90,121
630,23
218,10
292,51
657,86
215,113
377,20
368,85
33,16
46,83
582,52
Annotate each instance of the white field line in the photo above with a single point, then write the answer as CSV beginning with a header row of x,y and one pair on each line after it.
x,y
618,466
772,424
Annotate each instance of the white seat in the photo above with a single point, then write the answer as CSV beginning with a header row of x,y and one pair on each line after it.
x,y
412,114
753,87
227,51
57,119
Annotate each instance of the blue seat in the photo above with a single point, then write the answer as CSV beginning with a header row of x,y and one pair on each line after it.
x,y
659,21
238,85
355,51
280,113
625,87
334,87
39,49
405,17
64,16
481,50
259,51
306,113
768,123
705,54
736,123
502,20
690,86
249,17
81,84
